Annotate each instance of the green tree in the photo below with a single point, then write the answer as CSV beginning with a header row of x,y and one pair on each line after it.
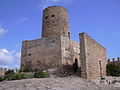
x,y
113,70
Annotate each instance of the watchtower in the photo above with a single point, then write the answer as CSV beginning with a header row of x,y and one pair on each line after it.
x,y
55,22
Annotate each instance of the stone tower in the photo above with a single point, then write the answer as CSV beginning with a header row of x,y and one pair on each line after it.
x,y
55,22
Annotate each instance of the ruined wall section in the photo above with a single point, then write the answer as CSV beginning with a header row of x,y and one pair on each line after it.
x,y
76,51
70,51
67,58
42,53
93,58
83,56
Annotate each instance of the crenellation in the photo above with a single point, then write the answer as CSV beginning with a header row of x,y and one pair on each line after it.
x,y
118,59
113,59
108,61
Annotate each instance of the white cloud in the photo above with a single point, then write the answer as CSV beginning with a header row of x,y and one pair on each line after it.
x,y
22,20
18,55
45,3
55,0
9,58
5,56
2,31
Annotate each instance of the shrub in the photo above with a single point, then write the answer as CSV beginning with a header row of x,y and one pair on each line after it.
x,y
9,72
41,74
16,76
1,79
113,70
29,75
20,71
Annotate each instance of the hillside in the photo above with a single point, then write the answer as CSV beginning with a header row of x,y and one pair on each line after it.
x,y
61,83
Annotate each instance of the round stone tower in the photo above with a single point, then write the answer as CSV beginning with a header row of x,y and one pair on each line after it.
x,y
55,22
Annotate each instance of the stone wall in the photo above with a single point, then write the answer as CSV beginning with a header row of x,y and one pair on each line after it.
x,y
55,22
76,51
41,53
70,51
49,52
93,58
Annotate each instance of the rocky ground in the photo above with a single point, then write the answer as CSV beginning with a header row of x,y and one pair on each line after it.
x,y
61,83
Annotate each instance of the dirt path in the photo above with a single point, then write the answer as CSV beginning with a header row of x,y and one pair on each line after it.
x,y
56,83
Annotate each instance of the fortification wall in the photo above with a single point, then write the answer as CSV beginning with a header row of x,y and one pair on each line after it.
x,y
50,52
70,51
76,51
93,58
41,53
115,61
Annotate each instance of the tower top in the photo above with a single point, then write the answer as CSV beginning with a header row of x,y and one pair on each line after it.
x,y
54,7
55,22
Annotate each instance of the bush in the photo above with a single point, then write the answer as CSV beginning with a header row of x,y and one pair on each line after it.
x,y
29,76
20,71
41,74
16,76
1,79
9,72
113,70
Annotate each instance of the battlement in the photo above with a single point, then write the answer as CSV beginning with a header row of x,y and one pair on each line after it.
x,y
114,60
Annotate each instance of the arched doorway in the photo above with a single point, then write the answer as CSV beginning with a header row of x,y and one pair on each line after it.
x,y
75,65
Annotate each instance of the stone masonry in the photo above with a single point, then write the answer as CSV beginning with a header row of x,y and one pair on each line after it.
x,y
55,22
93,58
55,49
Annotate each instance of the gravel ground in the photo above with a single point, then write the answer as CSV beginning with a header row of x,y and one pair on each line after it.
x,y
61,83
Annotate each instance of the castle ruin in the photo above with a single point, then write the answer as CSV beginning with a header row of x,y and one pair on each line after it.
x,y
55,49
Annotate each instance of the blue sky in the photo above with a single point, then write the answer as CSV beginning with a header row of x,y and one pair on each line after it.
x,y
22,20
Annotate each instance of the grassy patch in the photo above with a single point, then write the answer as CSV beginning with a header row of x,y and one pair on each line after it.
x,y
41,74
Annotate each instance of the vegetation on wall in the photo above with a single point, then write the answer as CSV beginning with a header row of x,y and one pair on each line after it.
x,y
28,67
